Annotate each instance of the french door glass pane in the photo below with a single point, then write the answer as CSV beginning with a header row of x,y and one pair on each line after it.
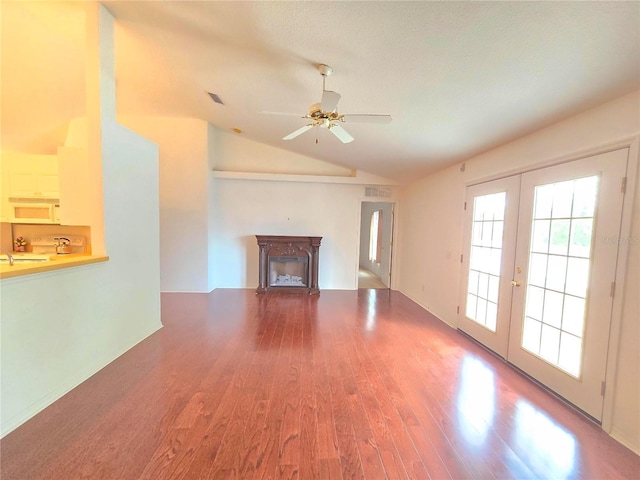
x,y
559,265
485,259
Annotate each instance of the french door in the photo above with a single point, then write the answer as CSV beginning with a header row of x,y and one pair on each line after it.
x,y
538,269
488,262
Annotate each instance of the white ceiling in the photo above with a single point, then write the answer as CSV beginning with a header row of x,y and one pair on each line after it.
x,y
458,78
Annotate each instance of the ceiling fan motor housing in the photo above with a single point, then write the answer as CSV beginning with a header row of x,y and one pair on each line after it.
x,y
316,113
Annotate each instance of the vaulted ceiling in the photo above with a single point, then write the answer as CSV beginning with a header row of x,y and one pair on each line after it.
x,y
458,78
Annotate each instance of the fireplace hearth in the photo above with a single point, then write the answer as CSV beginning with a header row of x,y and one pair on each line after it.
x,y
288,264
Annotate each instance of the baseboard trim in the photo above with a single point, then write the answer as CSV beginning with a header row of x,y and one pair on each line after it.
x,y
624,439
65,387
615,433
427,309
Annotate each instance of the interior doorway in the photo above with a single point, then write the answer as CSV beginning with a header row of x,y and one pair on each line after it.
x,y
376,239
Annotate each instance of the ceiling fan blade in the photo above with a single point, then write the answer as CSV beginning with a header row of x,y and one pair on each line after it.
x,y
300,131
366,118
329,101
281,113
340,132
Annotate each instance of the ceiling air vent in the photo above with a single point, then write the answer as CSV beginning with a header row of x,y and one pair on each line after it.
x,y
377,192
215,98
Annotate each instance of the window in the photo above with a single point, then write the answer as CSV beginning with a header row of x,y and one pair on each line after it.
x,y
486,259
559,259
375,237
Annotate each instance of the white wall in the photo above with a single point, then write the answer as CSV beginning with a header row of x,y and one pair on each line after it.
x,y
59,328
211,231
245,208
380,269
626,385
431,234
184,191
206,222
237,154
184,199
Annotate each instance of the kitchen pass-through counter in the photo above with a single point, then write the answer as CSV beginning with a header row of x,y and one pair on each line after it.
x,y
23,265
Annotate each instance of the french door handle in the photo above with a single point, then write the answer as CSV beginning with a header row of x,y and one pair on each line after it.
x,y
515,283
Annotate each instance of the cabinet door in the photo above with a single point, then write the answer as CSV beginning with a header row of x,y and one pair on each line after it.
x,y
26,175
31,175
26,184
22,184
48,185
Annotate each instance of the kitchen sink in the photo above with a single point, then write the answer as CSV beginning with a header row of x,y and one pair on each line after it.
x,y
25,258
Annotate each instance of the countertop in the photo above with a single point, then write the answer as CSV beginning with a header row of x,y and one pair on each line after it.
x,y
55,262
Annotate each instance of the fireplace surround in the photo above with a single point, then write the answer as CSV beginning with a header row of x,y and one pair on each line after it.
x,y
288,264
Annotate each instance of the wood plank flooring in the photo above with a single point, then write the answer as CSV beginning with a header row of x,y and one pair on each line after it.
x,y
349,385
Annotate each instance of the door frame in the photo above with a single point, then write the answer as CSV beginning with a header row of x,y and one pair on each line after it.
x,y
633,144
394,238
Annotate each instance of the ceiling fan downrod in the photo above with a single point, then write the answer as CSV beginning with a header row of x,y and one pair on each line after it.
x,y
325,71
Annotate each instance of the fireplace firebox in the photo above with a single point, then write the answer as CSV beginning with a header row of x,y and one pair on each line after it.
x,y
288,264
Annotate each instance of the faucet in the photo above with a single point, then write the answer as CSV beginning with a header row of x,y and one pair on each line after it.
x,y
8,255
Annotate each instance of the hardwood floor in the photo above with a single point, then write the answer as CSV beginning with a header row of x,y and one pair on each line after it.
x,y
351,384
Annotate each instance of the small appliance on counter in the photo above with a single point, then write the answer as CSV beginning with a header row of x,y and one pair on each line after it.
x,y
61,244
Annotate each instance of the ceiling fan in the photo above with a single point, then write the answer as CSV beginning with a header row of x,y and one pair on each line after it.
x,y
325,114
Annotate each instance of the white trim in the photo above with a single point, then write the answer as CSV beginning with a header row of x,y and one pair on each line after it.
x,y
284,177
618,300
72,382
626,142
614,433
357,259
427,309
621,437
393,266
205,292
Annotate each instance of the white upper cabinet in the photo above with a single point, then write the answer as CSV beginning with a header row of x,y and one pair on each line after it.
x,y
27,176
62,177
39,185
32,176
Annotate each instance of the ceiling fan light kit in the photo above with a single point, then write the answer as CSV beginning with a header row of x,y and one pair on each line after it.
x,y
325,113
